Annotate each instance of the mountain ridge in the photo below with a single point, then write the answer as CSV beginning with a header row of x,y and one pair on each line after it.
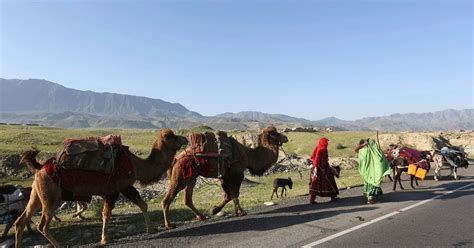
x,y
24,101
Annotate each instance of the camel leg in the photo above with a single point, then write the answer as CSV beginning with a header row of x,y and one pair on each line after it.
x,y
41,224
47,216
56,218
177,183
109,203
188,199
132,194
33,205
235,198
227,198
81,207
235,192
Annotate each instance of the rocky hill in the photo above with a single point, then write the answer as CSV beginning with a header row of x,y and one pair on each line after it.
x,y
51,104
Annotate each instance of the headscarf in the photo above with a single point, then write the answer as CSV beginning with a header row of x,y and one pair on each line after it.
x,y
323,145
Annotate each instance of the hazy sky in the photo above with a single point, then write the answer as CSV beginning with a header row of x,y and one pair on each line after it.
x,y
310,59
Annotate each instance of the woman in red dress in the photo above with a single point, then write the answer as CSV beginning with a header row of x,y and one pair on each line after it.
x,y
322,179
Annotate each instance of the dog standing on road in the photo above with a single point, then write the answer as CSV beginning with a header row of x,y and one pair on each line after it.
x,y
281,182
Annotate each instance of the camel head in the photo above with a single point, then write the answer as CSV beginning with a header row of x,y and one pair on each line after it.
x,y
29,158
271,137
171,141
29,155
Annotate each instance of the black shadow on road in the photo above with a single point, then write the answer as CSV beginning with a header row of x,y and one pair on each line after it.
x,y
257,223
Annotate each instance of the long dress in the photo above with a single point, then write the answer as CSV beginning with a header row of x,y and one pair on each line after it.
x,y
373,166
322,182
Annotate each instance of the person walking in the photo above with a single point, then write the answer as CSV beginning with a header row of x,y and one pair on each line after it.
x,y
322,182
373,166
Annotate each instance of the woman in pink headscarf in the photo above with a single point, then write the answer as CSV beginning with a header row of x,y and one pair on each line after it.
x,y
322,179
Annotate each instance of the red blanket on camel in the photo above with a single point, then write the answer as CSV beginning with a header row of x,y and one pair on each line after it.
x,y
68,178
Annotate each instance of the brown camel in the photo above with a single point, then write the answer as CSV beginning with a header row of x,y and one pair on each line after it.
x,y
256,160
46,194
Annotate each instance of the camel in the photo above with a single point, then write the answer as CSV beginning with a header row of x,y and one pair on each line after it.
x,y
256,160
46,194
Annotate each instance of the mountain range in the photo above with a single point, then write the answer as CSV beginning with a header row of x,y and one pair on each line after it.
x,y
46,103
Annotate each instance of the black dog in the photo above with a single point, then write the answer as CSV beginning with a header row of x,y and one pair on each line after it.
x,y
9,216
281,182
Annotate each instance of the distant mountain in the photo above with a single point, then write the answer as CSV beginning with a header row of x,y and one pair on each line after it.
x,y
50,104
40,95
262,117
449,119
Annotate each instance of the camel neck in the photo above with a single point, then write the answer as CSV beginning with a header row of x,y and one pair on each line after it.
x,y
261,158
155,165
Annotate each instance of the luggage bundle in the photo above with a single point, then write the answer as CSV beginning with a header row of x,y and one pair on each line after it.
x,y
90,154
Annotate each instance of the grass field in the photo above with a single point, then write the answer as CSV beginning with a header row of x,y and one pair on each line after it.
x,y
254,192
15,139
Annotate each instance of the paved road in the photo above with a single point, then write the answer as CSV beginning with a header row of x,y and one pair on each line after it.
x,y
408,218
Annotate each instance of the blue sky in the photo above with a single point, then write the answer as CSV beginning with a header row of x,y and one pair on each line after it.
x,y
311,59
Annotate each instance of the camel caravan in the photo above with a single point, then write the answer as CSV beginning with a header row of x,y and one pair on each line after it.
x,y
103,166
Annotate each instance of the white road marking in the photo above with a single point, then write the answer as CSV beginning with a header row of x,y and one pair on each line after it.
x,y
317,242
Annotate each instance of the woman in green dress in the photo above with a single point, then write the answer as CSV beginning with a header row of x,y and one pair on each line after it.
x,y
373,167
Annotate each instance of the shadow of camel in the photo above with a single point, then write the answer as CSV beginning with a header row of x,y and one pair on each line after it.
x,y
255,223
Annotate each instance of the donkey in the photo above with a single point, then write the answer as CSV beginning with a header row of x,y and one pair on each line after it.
x,y
441,161
281,182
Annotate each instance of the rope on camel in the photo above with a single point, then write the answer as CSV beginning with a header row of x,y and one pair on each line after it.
x,y
289,160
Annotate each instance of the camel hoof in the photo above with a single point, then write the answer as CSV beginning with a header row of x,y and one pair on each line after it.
x,y
104,242
200,218
170,227
240,214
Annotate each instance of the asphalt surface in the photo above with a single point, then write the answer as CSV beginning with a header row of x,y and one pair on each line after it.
x,y
446,221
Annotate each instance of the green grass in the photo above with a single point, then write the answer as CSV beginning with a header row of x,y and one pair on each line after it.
x,y
16,181
15,139
304,143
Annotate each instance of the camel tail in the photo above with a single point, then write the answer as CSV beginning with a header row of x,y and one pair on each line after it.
x,y
29,158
